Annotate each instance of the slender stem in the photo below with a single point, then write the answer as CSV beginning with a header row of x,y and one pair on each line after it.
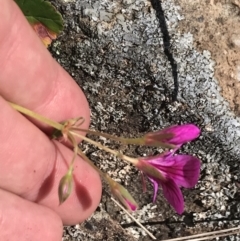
x,y
140,141
208,235
105,176
134,161
134,141
75,147
36,116
90,163
134,219
70,170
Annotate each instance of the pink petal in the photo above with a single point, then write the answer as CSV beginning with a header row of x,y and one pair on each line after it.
x,y
155,188
174,195
182,133
155,160
183,169
171,192
132,206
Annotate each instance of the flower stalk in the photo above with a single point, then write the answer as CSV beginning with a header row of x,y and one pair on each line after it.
x,y
36,116
134,161
140,141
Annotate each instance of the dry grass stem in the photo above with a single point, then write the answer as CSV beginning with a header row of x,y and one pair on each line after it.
x,y
134,219
208,235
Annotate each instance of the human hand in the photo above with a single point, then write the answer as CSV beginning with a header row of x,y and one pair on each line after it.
x,y
31,165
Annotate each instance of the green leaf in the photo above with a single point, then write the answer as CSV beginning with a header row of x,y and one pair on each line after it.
x,y
40,11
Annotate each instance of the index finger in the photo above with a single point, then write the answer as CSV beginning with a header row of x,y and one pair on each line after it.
x,y
30,163
30,76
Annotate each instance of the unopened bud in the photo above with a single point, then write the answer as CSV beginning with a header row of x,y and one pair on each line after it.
x,y
65,186
174,136
123,195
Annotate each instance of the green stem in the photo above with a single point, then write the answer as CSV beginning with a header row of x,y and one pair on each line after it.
x,y
105,176
140,141
70,170
126,141
75,147
36,116
134,161
102,174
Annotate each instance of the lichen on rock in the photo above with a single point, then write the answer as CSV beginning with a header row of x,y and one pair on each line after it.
x,y
115,51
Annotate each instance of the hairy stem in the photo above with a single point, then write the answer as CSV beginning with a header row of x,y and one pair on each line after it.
x,y
36,116
140,141
126,141
75,147
107,149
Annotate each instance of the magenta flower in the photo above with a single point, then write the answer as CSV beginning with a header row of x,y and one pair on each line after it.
x,y
174,135
175,171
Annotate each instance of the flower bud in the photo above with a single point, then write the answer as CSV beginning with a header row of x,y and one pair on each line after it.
x,y
122,195
65,186
173,136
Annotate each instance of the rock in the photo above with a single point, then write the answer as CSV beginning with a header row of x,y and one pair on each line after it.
x,y
145,65
219,33
99,227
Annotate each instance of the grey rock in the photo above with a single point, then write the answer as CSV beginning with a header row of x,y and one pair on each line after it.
x,y
115,51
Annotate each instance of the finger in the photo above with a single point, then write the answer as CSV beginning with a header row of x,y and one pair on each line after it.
x,y
86,192
30,76
32,166
23,220
39,83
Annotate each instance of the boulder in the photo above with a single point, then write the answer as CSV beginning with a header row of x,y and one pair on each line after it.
x,y
145,65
